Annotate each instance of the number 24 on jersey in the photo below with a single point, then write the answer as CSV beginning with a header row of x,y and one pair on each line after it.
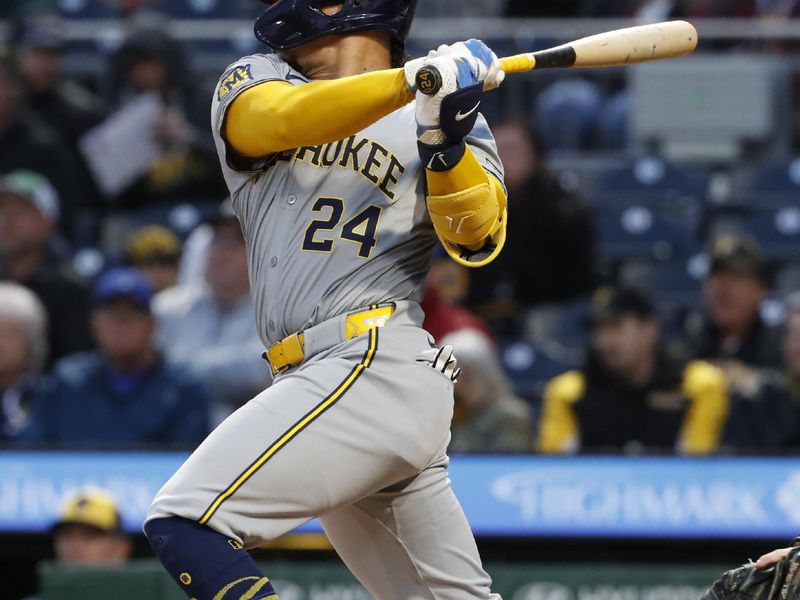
x,y
361,229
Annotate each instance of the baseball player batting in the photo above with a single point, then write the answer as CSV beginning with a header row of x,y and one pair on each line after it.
x,y
342,184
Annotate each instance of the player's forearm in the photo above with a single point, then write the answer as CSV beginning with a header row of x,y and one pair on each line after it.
x,y
278,116
466,174
466,203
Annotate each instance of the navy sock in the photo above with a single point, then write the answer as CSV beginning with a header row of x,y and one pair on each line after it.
x,y
206,564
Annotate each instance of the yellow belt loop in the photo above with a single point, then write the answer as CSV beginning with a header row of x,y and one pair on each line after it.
x,y
290,352
362,322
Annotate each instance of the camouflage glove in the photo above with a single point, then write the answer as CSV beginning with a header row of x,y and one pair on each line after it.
x,y
781,581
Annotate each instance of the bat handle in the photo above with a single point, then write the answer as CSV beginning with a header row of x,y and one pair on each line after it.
x,y
520,63
429,79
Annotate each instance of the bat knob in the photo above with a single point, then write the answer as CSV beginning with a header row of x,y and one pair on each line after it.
x,y
429,80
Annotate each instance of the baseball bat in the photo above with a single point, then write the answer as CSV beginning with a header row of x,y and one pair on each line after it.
x,y
610,49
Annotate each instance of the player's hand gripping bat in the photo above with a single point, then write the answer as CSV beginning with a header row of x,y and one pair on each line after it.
x,y
610,49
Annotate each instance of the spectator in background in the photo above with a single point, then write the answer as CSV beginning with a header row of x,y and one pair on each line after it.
x,y
549,253
630,395
731,331
733,336
23,349
212,326
37,44
450,279
150,61
31,256
156,252
446,287
27,143
89,532
487,417
125,394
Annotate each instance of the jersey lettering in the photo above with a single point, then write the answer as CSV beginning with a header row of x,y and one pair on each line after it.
x,y
350,156
361,155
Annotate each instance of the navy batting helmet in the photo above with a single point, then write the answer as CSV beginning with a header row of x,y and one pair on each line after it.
x,y
287,24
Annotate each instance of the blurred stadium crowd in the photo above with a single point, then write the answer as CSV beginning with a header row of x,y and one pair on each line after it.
x,y
642,304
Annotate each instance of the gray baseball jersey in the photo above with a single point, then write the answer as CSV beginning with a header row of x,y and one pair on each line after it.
x,y
331,228
356,434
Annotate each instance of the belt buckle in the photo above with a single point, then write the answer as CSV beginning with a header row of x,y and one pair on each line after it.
x,y
290,351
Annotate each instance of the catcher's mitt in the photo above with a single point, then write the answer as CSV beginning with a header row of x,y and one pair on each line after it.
x,y
781,581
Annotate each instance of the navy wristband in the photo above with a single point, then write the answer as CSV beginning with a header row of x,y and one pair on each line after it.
x,y
443,157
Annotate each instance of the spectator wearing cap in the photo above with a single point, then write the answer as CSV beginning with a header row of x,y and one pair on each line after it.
x,y
212,326
732,334
89,532
28,143
629,395
125,394
549,253
31,255
23,348
731,328
156,252
487,417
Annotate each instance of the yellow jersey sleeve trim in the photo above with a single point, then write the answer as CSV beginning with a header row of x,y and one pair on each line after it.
x,y
276,115
707,390
468,209
559,432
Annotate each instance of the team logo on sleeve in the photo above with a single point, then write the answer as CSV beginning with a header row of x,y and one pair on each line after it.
x,y
233,79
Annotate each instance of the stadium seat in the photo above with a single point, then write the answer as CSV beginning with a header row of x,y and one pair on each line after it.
x,y
529,367
787,279
639,231
88,263
562,326
203,9
777,230
566,114
181,218
612,124
675,284
87,9
651,176
773,181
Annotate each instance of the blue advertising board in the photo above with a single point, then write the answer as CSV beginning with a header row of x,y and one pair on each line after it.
x,y
502,496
